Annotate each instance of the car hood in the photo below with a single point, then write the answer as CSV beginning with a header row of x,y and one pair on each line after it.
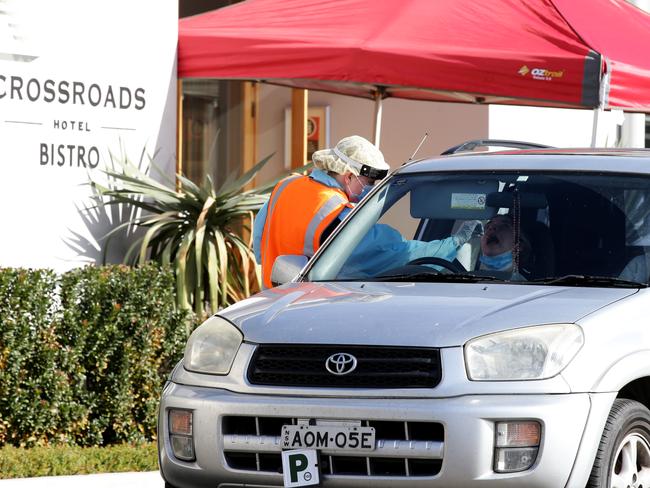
x,y
403,314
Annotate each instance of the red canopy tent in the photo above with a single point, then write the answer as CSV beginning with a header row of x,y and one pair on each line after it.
x,y
561,53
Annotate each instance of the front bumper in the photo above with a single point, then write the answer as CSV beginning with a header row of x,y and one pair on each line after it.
x,y
466,453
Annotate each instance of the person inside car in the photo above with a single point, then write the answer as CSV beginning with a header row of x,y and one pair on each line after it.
x,y
497,243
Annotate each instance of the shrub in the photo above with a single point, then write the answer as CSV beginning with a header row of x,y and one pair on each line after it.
x,y
122,336
34,399
83,357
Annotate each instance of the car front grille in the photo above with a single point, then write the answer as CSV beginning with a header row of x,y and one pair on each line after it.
x,y
402,449
377,366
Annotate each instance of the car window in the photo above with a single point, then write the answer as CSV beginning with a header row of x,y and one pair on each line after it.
x,y
399,217
525,227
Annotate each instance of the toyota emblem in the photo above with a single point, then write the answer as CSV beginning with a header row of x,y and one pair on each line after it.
x,y
341,363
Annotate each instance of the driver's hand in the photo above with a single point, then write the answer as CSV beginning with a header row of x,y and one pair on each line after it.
x,y
465,231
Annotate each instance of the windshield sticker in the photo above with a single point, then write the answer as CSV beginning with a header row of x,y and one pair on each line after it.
x,y
469,201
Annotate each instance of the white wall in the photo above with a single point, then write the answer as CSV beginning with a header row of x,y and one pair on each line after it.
x,y
633,130
642,4
121,46
553,126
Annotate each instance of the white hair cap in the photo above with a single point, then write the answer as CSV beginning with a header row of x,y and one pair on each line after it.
x,y
354,154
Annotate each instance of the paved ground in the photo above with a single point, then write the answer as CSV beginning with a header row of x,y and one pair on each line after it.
x,y
150,479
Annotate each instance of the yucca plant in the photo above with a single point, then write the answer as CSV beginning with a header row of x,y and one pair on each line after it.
x,y
197,230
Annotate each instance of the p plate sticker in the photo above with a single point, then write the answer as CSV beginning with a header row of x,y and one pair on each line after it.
x,y
300,467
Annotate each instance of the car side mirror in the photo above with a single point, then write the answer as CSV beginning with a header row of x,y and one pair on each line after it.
x,y
286,267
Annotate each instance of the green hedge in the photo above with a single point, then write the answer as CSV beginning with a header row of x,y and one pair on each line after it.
x,y
34,398
83,356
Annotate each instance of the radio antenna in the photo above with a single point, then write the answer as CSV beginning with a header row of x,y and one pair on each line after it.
x,y
426,134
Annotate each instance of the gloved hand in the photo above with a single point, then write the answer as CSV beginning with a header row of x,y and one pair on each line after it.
x,y
465,231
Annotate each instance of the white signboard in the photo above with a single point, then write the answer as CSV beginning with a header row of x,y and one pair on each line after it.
x,y
78,80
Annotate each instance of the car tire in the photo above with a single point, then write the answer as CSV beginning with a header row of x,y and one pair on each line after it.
x,y
623,457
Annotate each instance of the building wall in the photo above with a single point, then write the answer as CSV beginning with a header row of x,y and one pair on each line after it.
x,y
404,124
120,56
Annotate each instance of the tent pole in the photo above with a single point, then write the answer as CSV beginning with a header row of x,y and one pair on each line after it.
x,y
379,100
603,94
594,128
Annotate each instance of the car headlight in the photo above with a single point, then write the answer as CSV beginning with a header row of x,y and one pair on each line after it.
x,y
212,347
529,353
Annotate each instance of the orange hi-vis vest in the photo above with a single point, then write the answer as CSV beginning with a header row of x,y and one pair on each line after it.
x,y
299,210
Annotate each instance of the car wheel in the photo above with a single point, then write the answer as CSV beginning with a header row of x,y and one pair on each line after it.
x,y
623,458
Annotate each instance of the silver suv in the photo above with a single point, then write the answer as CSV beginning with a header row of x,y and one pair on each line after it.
x,y
377,367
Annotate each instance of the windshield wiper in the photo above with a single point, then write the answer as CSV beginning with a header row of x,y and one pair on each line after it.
x,y
586,280
435,277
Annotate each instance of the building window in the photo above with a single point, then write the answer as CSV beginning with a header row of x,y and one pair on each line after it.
x,y
212,129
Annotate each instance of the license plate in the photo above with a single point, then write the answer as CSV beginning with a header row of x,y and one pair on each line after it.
x,y
337,438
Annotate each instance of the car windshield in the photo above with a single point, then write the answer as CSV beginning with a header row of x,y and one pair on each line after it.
x,y
575,229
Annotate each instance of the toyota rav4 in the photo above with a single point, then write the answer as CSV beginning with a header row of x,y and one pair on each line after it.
x,y
520,360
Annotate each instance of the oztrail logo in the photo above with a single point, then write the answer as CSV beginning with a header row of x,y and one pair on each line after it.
x,y
541,73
